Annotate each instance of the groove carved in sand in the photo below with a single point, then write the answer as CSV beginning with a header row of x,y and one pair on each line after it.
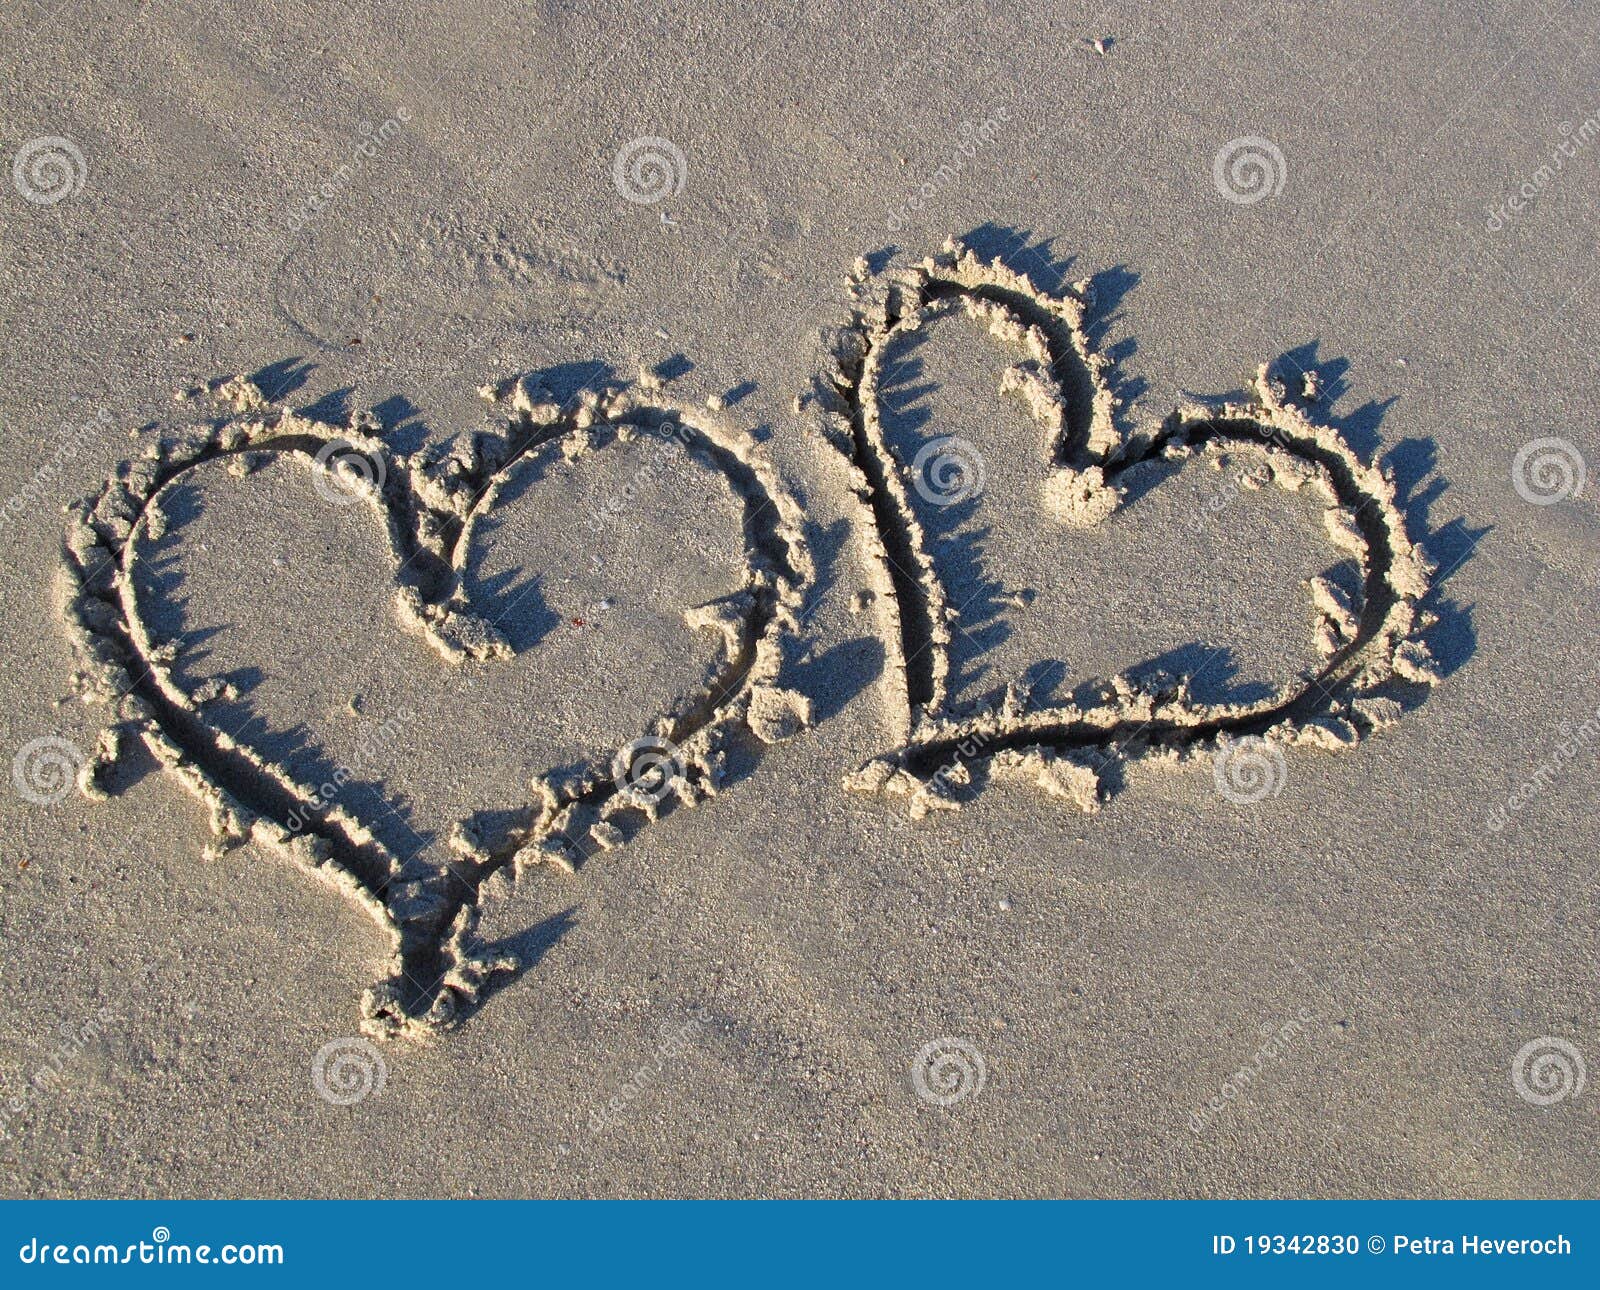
x,y
1373,661
438,965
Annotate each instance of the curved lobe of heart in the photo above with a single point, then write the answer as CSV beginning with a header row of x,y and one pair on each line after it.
x,y
1179,581
436,515
1372,657
341,694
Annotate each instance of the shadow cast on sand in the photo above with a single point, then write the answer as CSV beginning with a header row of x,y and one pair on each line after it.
x,y
527,949
1315,387
834,676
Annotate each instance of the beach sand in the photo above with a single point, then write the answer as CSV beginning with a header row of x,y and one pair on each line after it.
x,y
613,315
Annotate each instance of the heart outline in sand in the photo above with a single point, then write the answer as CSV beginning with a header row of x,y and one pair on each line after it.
x,y
1373,656
438,966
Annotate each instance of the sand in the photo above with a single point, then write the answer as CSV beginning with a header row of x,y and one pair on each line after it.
x,y
481,489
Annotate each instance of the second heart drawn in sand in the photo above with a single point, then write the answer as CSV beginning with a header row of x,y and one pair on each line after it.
x,y
1373,660
430,507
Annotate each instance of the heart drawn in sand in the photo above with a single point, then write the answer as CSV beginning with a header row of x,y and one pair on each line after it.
x,y
432,509
1372,659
